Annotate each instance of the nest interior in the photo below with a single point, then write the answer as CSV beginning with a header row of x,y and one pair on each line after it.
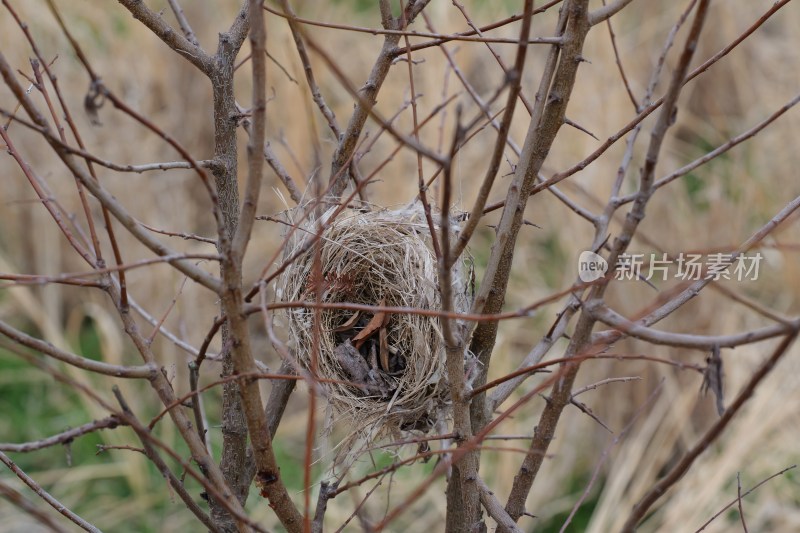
x,y
393,363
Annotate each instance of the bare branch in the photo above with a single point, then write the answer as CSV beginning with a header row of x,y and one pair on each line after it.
x,y
679,469
547,118
44,495
267,474
283,175
581,337
177,10
602,382
607,11
495,508
367,98
185,48
741,495
20,501
618,61
515,78
685,340
131,372
463,510
440,38
156,459
65,437
326,111
752,132
679,299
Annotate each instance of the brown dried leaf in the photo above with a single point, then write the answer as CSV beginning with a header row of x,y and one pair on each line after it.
x,y
713,378
370,328
383,335
349,324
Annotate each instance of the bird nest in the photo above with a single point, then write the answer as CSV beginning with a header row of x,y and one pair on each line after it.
x,y
386,370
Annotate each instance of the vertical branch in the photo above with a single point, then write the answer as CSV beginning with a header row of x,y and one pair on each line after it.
x,y
580,341
423,189
463,496
241,358
326,111
369,94
233,463
369,97
665,119
547,118
316,336
255,147
515,78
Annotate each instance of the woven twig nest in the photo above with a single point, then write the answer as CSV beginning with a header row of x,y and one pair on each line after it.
x,y
394,364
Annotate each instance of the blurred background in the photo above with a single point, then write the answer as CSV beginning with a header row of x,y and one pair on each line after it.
x,y
716,206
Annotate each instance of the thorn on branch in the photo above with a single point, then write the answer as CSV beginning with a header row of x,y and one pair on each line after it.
x,y
578,127
401,59
587,411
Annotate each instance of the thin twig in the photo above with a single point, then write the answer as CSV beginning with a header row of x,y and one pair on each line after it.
x,y
183,22
185,47
604,456
46,496
739,498
685,340
283,174
618,61
493,25
156,459
316,94
147,371
20,501
423,194
675,473
65,437
441,38
742,495
725,147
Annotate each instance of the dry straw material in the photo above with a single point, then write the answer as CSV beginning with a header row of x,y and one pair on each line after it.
x,y
378,257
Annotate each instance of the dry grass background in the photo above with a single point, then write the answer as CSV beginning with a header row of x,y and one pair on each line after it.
x,y
720,204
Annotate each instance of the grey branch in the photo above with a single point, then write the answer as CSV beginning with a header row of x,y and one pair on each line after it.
x,y
110,422
132,372
607,11
684,340
46,496
190,51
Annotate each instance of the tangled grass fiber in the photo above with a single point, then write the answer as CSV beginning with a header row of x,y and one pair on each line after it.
x,y
374,257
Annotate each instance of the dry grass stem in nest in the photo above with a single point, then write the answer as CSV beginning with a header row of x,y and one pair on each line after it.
x,y
393,363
